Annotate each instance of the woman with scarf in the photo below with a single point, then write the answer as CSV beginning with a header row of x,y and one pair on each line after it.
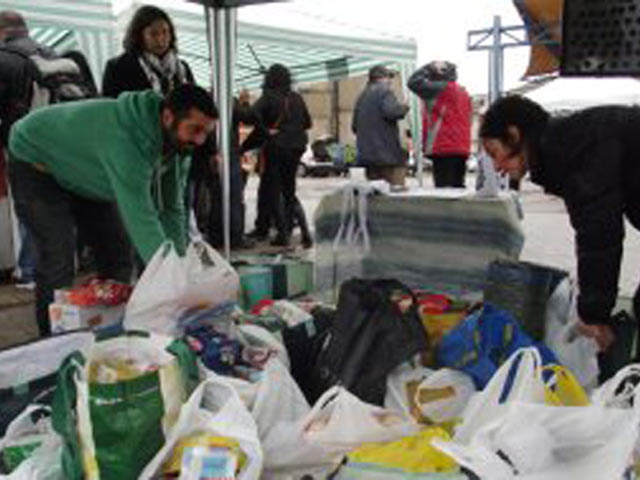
x,y
150,59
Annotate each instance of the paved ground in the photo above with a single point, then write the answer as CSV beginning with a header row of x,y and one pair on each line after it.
x,y
549,240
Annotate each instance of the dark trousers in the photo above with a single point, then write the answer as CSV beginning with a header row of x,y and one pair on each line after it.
x,y
449,171
208,204
54,215
277,199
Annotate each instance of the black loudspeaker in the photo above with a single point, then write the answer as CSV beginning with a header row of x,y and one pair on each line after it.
x,y
601,38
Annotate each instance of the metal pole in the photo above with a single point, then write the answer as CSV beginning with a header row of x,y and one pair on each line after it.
x,y
496,62
416,122
221,30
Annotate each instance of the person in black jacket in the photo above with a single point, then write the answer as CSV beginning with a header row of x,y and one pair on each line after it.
x,y
283,118
588,159
150,59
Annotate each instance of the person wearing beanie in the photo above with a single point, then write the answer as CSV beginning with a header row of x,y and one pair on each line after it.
x,y
375,124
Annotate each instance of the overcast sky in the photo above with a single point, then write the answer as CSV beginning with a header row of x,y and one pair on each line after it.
x,y
439,27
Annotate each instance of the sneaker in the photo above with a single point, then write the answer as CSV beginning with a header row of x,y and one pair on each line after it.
x,y
25,285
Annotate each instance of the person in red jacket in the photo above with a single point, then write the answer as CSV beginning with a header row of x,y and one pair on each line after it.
x,y
446,121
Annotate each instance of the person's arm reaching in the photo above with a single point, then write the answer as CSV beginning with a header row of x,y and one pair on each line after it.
x,y
132,189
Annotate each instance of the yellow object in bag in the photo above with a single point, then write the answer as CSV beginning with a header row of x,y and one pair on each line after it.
x,y
563,389
412,454
172,465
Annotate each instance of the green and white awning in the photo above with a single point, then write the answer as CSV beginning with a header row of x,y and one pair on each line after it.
x,y
96,28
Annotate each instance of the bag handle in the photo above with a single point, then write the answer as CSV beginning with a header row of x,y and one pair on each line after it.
x,y
187,362
568,391
22,419
606,394
63,416
323,402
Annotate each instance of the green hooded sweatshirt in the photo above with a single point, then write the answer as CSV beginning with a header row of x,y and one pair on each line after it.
x,y
110,150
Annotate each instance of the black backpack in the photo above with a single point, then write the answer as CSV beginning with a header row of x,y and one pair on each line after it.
x,y
53,79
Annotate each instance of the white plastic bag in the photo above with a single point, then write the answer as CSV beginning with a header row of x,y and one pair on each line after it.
x,y
275,398
26,363
551,443
45,462
214,407
401,383
352,242
489,404
456,388
171,284
576,352
338,423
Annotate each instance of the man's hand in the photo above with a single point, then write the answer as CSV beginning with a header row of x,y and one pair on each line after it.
x,y
602,334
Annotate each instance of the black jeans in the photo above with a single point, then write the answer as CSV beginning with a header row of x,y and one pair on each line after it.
x,y
54,216
449,171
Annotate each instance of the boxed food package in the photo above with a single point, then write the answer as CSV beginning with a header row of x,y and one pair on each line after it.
x,y
66,317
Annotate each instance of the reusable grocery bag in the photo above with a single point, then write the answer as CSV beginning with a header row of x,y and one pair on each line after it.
x,y
338,423
371,335
114,420
482,342
214,408
171,284
28,373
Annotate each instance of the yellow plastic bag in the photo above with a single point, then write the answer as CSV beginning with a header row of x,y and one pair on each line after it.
x,y
563,389
413,454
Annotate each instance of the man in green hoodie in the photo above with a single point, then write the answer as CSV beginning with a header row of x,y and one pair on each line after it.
x,y
97,164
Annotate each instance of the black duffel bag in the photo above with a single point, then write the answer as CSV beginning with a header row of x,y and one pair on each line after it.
x,y
371,335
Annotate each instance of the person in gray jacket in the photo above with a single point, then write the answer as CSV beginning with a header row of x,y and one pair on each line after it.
x,y
375,124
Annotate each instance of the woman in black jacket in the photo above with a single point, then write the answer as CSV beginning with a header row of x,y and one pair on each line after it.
x,y
284,118
150,59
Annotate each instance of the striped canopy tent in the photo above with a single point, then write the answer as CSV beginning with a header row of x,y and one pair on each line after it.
x,y
96,28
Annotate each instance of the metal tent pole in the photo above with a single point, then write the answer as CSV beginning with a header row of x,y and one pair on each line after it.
x,y
221,28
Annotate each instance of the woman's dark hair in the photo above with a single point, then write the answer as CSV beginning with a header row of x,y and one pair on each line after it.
x,y
529,117
277,78
145,16
181,99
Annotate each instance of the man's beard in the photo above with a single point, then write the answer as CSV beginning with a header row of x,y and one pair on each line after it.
x,y
172,145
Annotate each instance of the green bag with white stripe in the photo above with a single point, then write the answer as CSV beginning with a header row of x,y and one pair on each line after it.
x,y
114,417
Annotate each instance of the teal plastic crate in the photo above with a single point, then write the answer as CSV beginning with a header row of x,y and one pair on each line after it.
x,y
256,284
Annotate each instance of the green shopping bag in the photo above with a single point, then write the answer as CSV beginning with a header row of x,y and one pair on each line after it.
x,y
112,429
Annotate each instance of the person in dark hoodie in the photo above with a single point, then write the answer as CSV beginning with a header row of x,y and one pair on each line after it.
x,y
283,120
91,164
588,159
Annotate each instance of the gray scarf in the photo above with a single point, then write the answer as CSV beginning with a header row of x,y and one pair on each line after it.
x,y
163,73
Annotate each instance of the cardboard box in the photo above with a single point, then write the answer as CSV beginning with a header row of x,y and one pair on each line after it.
x,y
63,317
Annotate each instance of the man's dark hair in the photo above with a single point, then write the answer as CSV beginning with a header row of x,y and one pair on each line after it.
x,y
184,97
13,23
277,78
529,117
133,41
